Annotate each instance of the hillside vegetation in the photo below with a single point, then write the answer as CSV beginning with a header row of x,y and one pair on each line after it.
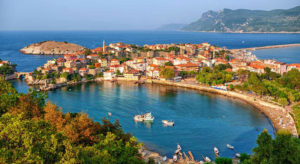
x,y
243,20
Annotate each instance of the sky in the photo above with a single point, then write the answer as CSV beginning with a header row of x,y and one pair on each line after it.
x,y
116,14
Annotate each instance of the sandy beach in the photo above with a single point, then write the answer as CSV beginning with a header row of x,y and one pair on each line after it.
x,y
280,117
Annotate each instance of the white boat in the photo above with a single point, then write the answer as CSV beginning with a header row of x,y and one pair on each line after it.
x,y
148,117
207,159
144,117
216,150
229,146
168,123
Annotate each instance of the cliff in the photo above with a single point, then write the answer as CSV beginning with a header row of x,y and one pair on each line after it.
x,y
51,48
243,20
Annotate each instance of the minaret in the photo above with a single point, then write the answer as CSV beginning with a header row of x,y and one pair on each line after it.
x,y
104,49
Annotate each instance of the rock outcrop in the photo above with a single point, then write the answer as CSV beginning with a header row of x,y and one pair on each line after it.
x,y
51,48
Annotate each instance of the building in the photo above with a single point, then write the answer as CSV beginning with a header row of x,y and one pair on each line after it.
x,y
159,61
109,75
83,71
188,67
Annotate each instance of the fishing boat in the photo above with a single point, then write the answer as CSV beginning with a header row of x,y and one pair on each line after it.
x,y
168,123
216,150
144,117
229,146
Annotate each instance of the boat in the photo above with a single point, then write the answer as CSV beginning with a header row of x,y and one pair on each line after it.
x,y
229,146
216,150
144,117
168,123
148,117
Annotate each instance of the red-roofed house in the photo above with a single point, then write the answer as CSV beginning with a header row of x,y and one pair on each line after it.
x,y
93,56
187,67
294,66
70,56
159,61
69,70
256,68
181,60
114,62
83,71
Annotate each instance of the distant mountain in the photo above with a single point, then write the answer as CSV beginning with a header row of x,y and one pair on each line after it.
x,y
243,20
171,27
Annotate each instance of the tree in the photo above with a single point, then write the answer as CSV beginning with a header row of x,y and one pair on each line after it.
x,y
169,64
167,73
263,152
283,101
87,51
222,160
285,149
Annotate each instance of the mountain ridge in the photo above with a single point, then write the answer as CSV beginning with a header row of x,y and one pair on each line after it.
x,y
245,20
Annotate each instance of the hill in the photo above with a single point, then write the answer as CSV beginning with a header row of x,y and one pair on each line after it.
x,y
51,48
243,20
171,27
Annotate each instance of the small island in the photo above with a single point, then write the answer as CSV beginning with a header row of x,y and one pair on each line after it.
x,y
51,48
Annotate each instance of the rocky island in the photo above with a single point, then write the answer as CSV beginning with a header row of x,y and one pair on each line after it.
x,y
51,48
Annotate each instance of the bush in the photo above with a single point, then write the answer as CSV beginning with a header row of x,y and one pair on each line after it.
x,y
223,160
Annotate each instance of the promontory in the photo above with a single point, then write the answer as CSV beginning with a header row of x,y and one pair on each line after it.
x,y
51,48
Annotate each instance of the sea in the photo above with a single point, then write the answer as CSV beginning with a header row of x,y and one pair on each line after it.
x,y
202,120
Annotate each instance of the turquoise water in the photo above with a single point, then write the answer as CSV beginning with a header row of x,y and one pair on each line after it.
x,y
288,55
202,120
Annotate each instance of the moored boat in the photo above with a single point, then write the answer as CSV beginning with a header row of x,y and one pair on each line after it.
x,y
216,150
168,123
144,117
229,146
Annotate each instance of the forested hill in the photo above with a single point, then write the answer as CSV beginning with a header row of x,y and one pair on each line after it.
x,y
243,20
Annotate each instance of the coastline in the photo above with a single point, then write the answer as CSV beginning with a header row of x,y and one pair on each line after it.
x,y
268,47
279,116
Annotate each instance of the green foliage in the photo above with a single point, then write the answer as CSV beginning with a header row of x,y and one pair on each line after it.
x,y
87,51
64,75
214,76
248,21
244,157
7,69
151,161
283,101
296,112
223,160
26,141
91,66
185,74
74,77
34,132
176,49
167,73
124,59
118,73
283,149
169,64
